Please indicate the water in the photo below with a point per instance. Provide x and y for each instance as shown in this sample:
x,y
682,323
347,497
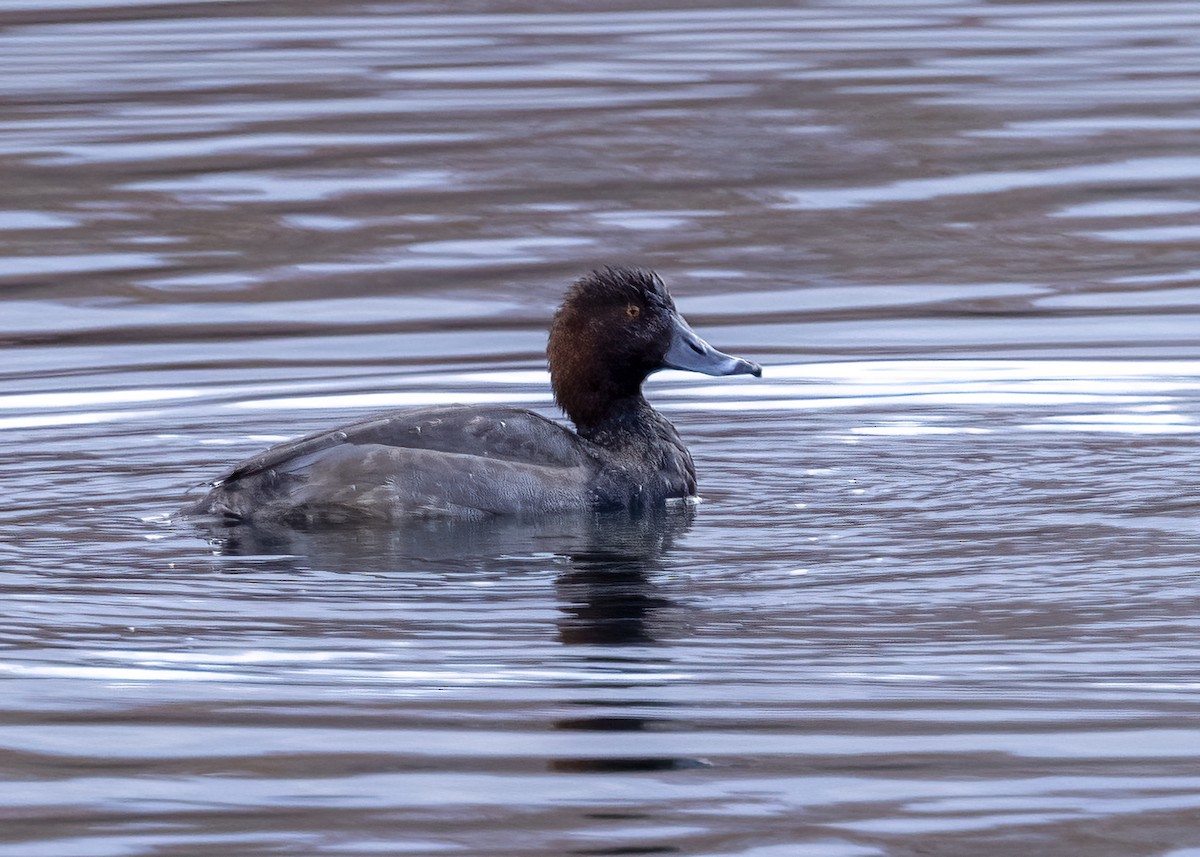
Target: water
x,y
940,597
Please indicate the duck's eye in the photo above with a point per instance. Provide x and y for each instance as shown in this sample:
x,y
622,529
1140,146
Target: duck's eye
x,y
633,310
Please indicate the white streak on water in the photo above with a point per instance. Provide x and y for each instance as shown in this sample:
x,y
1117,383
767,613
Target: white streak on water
x,y
385,400
85,398
970,184
45,420
1131,396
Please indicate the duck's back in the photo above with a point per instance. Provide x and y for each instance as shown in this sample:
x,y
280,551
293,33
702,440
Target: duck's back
x,y
460,460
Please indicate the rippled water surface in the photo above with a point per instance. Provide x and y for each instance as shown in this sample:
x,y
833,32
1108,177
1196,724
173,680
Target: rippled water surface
x,y
940,597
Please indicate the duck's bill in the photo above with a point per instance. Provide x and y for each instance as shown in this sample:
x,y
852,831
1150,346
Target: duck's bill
x,y
692,354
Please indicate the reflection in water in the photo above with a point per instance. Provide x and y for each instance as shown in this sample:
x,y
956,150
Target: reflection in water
x,y
607,596
609,551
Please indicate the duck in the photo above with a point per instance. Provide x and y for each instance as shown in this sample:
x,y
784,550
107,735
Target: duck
x,y
615,327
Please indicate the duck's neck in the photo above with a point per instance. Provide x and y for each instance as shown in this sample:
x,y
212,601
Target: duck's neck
x,y
619,420
644,458
648,453
597,398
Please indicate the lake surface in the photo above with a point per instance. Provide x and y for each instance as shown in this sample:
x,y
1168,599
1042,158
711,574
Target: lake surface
x,y
941,596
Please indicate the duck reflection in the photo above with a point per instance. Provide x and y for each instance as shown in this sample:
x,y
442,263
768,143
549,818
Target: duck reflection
x,y
607,594
604,550
609,599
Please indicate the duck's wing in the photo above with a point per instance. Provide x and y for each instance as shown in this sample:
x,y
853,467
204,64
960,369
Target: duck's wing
x,y
500,433
454,461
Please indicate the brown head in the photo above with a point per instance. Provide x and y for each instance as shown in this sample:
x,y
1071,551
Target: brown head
x,y
615,327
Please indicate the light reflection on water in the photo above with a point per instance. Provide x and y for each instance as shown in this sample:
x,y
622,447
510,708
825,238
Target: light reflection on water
x,y
939,595
1142,394
1133,169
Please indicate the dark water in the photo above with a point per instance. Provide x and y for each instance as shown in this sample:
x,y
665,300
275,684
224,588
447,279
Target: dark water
x,y
941,596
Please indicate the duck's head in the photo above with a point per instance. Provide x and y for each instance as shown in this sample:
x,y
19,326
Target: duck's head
x,y
616,326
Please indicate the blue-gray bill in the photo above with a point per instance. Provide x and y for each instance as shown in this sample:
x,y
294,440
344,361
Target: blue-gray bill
x,y
689,352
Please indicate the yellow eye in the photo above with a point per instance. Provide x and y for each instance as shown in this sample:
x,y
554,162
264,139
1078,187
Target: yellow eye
x,y
633,310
